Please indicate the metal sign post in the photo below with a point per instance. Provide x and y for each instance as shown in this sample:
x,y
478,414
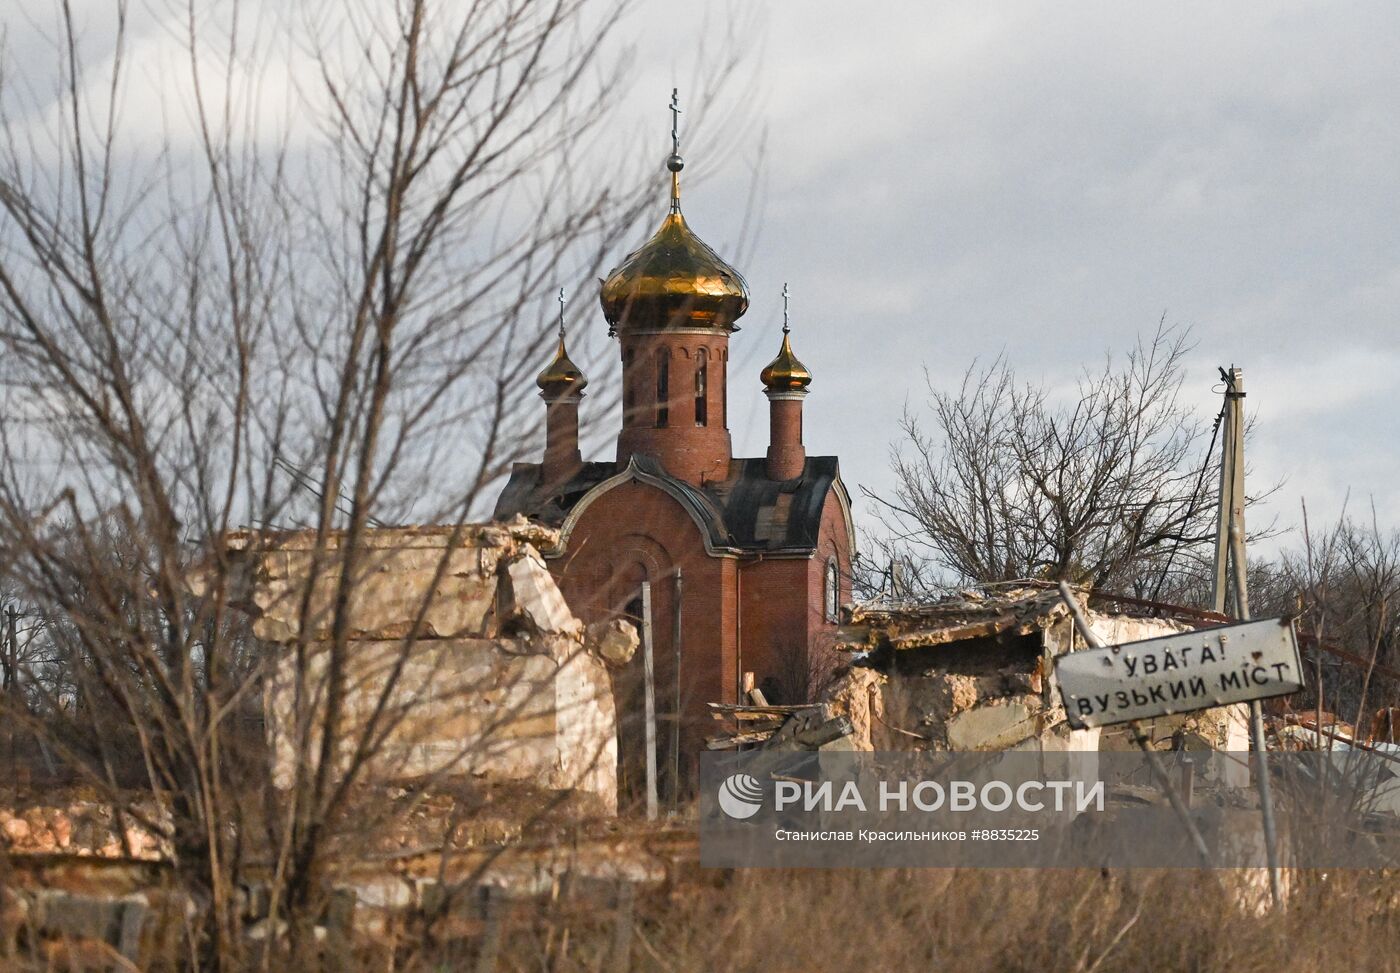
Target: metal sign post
x,y
649,674
676,634
1139,736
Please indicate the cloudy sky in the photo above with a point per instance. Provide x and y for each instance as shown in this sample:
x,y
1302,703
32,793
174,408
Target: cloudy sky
x,y
950,181
947,182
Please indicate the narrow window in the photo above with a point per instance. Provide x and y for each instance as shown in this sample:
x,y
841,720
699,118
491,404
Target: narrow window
x,y
833,591
724,388
629,380
702,368
663,387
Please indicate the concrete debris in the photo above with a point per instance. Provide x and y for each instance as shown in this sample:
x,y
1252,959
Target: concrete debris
x,y
411,581
781,728
991,727
537,598
615,641
85,829
958,618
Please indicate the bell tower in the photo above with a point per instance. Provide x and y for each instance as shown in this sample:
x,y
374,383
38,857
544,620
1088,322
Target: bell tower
x,y
673,304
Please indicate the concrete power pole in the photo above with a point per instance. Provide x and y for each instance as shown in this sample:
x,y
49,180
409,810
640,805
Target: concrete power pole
x,y
1231,583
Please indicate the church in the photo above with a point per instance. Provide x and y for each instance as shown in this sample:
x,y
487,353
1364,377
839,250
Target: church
x,y
748,558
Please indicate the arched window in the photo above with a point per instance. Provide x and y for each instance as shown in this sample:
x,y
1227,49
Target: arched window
x,y
833,591
702,375
663,387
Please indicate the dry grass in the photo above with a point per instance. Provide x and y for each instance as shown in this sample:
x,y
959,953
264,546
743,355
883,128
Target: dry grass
x,y
713,921
1049,922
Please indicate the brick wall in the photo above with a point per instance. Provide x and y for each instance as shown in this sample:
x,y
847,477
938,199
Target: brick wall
x,y
637,532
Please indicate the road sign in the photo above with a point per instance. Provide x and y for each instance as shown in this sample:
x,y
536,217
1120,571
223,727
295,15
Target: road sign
x,y
1180,673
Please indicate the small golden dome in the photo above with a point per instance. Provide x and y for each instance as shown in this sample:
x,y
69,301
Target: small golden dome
x,y
785,373
561,376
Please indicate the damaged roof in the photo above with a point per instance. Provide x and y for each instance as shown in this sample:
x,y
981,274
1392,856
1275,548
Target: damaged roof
x,y
965,615
978,613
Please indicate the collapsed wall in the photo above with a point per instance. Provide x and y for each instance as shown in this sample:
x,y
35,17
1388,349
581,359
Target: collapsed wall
x,y
975,671
463,658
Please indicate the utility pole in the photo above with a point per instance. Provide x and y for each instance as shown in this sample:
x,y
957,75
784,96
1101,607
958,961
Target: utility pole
x,y
1231,580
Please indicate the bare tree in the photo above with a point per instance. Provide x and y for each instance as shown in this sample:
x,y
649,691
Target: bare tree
x,y
329,326
1343,584
1112,488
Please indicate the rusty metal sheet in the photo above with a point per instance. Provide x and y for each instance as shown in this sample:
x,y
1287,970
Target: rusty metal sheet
x,y
1180,673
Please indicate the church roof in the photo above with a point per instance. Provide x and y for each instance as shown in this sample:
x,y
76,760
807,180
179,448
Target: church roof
x,y
746,513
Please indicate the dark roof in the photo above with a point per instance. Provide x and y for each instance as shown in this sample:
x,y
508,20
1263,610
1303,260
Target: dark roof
x,y
746,512
769,514
523,494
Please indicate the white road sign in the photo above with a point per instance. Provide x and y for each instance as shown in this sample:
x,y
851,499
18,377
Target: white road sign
x,y
1180,673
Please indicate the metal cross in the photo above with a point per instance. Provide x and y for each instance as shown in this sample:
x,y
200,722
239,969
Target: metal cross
x,y
785,308
675,121
561,312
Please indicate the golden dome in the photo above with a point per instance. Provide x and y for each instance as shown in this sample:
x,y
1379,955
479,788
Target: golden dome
x,y
674,280
785,373
561,376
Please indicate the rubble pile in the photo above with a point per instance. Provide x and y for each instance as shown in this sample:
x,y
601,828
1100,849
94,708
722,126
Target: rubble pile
x,y
85,829
802,727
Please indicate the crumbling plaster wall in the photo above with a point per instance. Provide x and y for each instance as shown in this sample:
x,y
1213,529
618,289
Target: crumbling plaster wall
x,y
981,694
465,644
995,692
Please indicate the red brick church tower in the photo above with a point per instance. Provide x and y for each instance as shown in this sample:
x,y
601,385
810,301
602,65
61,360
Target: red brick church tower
x,y
748,559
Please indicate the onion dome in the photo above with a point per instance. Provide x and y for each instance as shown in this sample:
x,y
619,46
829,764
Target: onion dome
x,y
674,280
785,373
561,376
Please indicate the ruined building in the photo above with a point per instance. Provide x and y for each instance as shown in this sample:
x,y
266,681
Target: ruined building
x,y
748,558
462,648
975,670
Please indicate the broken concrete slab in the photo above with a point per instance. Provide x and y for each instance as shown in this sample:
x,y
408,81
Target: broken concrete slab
x,y
615,641
537,598
991,727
